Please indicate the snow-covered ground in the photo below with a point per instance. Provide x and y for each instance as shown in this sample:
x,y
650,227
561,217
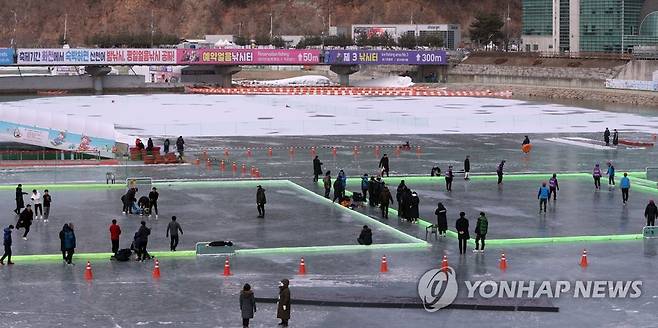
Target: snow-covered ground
x,y
236,115
307,80
389,81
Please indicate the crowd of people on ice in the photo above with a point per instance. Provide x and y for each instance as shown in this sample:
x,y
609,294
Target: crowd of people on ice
x,y
26,217
376,193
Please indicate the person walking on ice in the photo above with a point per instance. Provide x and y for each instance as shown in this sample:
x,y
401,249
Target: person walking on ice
x,y
481,229
365,186
606,137
247,305
650,213
283,305
172,229
385,198
625,185
6,241
153,201
449,176
542,195
467,168
180,147
317,168
441,219
115,233
20,204
553,187
615,137
47,199
67,239
260,201
462,232
36,201
384,165
499,171
611,176
25,220
596,174
327,184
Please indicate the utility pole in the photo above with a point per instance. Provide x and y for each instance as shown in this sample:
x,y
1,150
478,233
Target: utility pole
x,y
13,36
507,28
66,17
152,28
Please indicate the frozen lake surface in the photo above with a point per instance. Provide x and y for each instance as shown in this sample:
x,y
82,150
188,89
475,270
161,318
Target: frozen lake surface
x,y
236,115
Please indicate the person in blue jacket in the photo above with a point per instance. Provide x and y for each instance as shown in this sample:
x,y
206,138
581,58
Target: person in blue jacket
x,y
67,240
6,241
542,195
364,186
343,179
611,175
625,185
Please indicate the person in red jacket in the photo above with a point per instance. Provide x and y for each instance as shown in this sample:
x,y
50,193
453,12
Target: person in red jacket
x,y
115,232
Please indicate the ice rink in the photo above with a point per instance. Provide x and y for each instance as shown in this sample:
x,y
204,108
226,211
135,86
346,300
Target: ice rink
x,y
211,204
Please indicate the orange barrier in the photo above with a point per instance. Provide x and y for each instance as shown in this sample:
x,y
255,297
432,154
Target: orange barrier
x,y
635,143
52,92
347,91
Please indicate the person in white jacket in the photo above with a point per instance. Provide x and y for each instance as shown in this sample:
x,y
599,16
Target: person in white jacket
x,y
36,200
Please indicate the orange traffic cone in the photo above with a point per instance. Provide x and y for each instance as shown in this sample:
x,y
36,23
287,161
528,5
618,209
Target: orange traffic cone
x,y
503,262
156,270
333,151
269,152
88,274
227,268
384,266
583,259
444,263
244,169
302,266
222,166
248,152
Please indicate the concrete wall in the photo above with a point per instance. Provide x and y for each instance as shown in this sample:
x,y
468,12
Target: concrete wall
x,y
597,73
26,84
527,81
638,70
